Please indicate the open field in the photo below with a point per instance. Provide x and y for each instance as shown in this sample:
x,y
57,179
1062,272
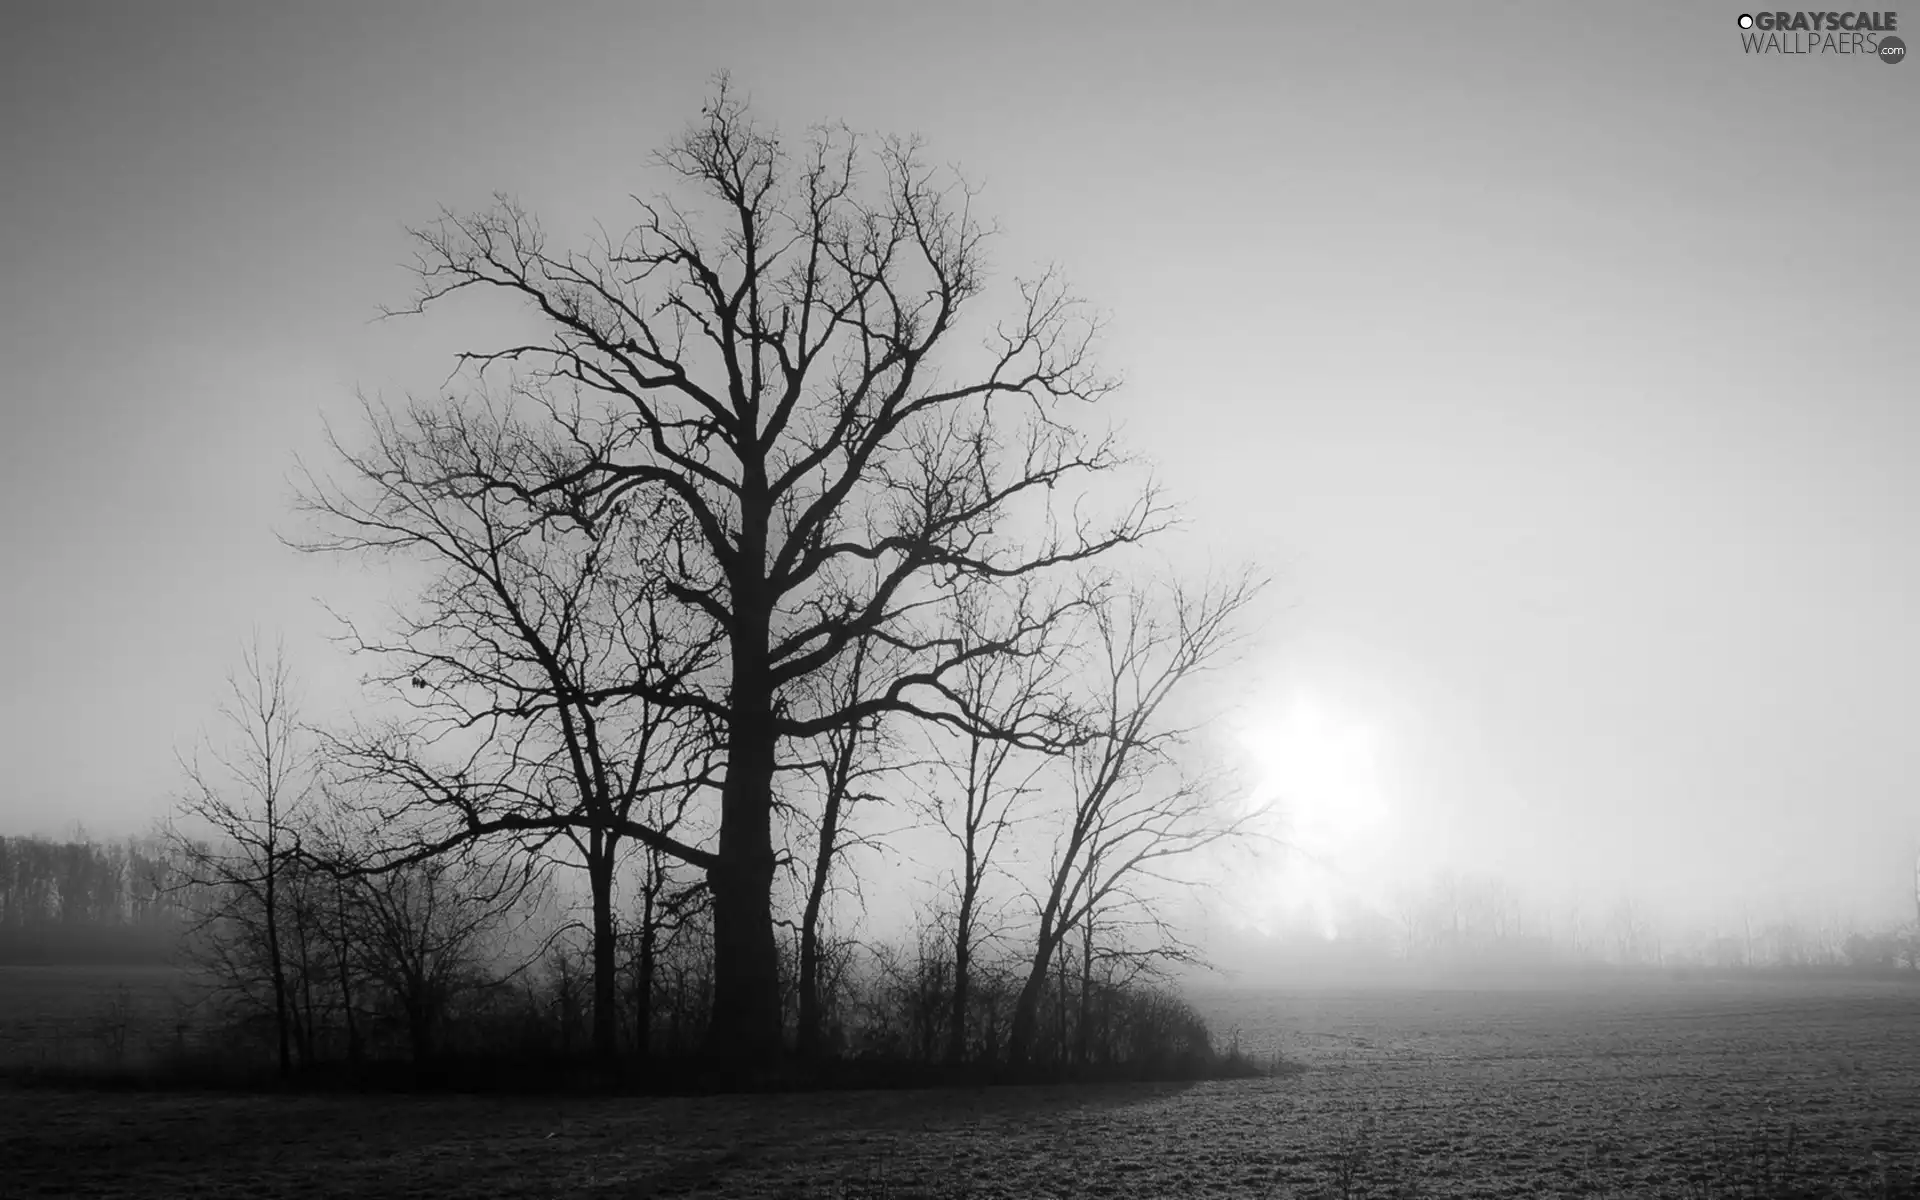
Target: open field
x,y
91,1015
1703,1089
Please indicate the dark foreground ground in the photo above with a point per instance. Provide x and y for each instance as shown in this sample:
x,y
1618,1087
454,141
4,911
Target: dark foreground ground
x,y
1803,1089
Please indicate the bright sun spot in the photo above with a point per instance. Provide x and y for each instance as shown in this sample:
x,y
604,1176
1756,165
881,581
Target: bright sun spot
x,y
1318,771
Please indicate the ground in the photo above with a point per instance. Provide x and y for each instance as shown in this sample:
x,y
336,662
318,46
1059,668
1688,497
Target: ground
x,y
1683,1089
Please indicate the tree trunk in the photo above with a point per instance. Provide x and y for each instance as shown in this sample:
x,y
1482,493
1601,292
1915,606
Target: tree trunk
x,y
273,960
745,1028
962,953
1060,1010
807,1035
1026,1011
643,988
346,995
808,1040
420,1030
606,1012
1085,1030
309,1021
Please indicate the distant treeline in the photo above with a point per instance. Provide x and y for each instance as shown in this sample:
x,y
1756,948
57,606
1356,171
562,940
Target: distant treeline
x,y
81,902
1480,923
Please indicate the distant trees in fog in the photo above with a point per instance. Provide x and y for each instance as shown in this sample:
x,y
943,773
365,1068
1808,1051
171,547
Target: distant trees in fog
x,y
1469,920
83,900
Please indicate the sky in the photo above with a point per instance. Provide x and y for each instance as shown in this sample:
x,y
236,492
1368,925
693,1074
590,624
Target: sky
x,y
1552,359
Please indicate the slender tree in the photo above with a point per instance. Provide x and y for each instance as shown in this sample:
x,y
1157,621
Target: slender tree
x,y
1131,807
849,760
666,905
244,808
981,780
422,933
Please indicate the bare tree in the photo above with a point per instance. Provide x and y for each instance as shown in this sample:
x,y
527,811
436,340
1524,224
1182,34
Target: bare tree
x,y
249,799
1131,806
1634,933
508,659
1408,911
422,932
779,379
848,763
984,778
666,905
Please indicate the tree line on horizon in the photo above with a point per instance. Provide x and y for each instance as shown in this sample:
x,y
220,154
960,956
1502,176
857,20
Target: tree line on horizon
x,y
81,900
1478,920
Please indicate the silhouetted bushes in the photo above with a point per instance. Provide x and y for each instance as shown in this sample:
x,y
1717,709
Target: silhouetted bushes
x,y
529,1030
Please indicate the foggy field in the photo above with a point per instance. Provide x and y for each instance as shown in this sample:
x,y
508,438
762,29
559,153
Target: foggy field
x,y
1604,1089
89,1015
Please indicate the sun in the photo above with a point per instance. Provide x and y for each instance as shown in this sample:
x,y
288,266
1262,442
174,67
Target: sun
x,y
1317,770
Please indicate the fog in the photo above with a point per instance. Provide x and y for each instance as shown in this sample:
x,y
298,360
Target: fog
x,y
1568,404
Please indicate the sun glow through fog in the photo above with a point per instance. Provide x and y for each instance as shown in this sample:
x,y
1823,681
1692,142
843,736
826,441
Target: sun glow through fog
x,y
1318,771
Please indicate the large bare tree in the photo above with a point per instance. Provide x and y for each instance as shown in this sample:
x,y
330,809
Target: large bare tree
x,y
786,375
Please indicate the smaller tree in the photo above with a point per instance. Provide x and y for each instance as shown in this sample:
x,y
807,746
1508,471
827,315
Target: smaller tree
x,y
248,800
423,933
849,759
983,774
1131,807
666,901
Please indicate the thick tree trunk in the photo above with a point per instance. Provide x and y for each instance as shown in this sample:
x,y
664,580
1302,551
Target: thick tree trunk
x,y
420,1030
746,965
606,1012
746,1025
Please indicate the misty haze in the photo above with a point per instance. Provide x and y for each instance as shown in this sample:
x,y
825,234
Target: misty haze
x,y
909,601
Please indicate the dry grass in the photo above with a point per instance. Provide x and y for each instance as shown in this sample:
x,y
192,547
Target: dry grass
x,y
1706,1092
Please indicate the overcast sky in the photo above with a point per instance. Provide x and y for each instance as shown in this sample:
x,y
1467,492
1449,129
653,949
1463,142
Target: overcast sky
x,y
1555,359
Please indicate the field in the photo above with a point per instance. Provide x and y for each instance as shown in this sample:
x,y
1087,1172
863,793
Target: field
x,y
90,1015
1651,1089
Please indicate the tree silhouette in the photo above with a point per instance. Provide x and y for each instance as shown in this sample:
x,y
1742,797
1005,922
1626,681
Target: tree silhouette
x,y
786,381
1131,808
507,659
252,799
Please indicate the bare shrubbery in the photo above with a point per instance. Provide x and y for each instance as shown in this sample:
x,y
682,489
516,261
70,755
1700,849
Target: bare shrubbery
x,y
438,972
893,1006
